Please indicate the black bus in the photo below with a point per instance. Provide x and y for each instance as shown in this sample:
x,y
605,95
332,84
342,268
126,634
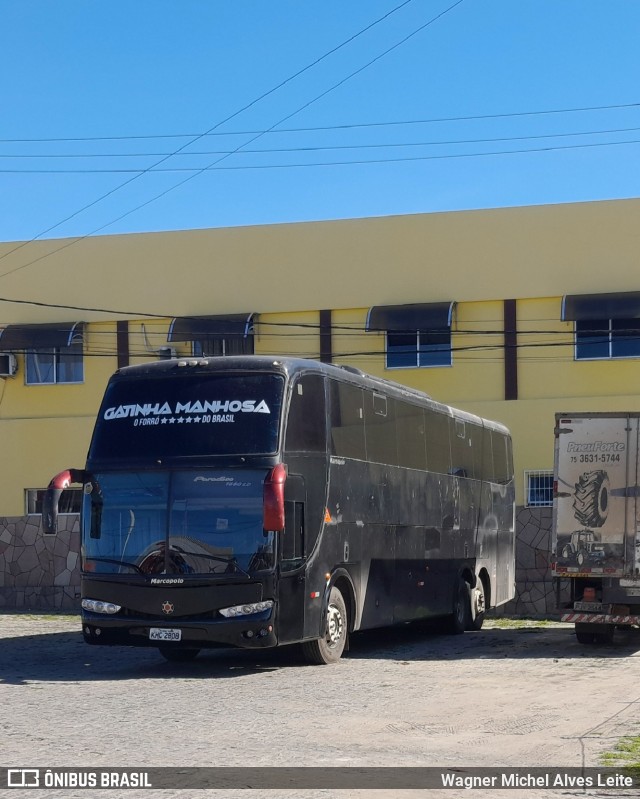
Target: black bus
x,y
257,501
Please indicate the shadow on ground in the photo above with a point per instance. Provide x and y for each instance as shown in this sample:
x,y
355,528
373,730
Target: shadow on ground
x,y
64,657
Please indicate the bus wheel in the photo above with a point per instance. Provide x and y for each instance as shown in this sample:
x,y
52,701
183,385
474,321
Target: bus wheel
x,y
459,620
478,606
178,655
329,649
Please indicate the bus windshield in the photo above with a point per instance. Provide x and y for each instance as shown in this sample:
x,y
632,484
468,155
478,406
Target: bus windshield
x,y
206,522
181,415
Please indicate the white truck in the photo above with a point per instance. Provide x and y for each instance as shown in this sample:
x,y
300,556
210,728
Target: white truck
x,y
596,522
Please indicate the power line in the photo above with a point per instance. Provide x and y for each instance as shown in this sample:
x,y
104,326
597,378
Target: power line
x,y
195,171
323,148
319,128
215,163
209,131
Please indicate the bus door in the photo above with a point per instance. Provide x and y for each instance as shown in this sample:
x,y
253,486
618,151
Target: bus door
x,y
291,565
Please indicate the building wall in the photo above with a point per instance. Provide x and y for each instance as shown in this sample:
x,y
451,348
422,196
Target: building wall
x,y
286,274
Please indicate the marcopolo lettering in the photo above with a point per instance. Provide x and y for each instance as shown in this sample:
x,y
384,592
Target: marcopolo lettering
x,y
191,407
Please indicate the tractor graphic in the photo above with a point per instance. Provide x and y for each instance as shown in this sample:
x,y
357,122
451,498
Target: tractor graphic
x,y
590,508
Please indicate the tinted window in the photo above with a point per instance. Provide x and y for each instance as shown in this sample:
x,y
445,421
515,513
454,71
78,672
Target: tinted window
x,y
410,429
306,424
347,421
182,415
501,447
437,432
380,424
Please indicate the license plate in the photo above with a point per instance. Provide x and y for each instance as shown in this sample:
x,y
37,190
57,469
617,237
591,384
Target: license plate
x,y
594,607
164,634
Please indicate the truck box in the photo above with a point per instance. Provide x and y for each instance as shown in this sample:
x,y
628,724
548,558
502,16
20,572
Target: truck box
x,y
596,520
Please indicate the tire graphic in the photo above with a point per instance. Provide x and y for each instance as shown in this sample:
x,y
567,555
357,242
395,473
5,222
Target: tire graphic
x,y
591,499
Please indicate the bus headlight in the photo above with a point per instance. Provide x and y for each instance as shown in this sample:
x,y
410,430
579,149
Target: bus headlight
x,y
247,610
97,606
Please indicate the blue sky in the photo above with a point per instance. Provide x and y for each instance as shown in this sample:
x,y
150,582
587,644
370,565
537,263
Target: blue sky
x,y
454,104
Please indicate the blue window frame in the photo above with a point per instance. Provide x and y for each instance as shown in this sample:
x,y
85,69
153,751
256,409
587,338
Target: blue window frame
x,y
607,338
407,350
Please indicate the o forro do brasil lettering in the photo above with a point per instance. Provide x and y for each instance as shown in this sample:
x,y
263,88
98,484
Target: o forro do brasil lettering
x,y
159,409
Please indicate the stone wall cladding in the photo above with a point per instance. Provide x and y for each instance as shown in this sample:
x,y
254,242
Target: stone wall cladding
x,y
535,589
39,571
42,571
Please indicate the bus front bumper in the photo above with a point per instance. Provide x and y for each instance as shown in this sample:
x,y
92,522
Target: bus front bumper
x,y
251,632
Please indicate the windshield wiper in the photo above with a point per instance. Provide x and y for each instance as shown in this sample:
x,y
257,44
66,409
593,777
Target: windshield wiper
x,y
118,562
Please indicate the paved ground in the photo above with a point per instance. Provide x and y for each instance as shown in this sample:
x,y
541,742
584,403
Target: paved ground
x,y
499,697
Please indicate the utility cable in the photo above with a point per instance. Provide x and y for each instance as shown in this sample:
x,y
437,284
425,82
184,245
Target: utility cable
x,y
316,148
214,164
319,128
209,131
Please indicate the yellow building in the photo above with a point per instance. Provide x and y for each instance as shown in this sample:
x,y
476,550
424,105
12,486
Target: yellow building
x,y
512,314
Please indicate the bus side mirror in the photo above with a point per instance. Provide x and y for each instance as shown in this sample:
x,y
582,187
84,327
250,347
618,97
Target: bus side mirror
x,y
52,497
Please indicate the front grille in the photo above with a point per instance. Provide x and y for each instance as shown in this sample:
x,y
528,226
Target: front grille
x,y
208,615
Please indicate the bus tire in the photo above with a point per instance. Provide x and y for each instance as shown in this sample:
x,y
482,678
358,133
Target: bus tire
x,y
178,655
477,606
460,619
330,647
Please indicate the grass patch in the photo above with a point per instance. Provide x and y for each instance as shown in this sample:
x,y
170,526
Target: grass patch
x,y
41,615
625,753
505,623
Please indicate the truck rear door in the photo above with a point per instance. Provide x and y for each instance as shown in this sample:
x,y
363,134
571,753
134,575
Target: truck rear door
x,y
596,494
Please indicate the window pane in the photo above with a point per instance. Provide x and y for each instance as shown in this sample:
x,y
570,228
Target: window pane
x,y
380,426
40,366
625,338
306,422
402,349
501,457
435,348
539,489
70,364
212,346
347,421
592,339
410,428
438,450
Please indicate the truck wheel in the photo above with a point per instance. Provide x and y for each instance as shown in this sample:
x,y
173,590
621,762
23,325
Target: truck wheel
x,y
477,606
178,655
329,649
585,634
605,634
591,499
581,557
460,619
566,551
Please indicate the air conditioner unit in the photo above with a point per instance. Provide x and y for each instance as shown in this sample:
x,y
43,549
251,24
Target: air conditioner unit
x,y
8,364
166,353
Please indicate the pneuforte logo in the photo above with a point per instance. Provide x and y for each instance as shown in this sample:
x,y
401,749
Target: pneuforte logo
x,y
158,409
596,446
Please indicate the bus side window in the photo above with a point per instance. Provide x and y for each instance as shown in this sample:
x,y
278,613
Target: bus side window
x,y
292,540
412,439
438,447
487,456
380,426
347,421
306,423
501,457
